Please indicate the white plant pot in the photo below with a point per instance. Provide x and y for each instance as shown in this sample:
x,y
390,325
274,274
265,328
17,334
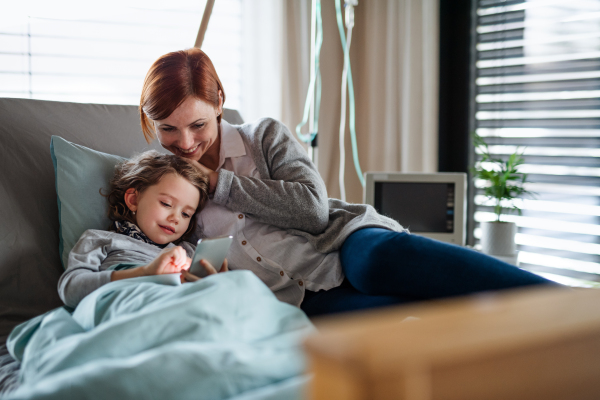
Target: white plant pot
x,y
498,238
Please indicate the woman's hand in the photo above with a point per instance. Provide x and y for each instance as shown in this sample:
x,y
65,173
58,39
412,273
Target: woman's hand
x,y
188,277
213,176
169,261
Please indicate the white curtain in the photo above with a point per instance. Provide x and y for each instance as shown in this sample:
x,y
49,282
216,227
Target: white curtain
x,y
394,57
276,53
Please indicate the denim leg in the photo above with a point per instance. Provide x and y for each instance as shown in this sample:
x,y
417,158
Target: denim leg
x,y
345,298
382,262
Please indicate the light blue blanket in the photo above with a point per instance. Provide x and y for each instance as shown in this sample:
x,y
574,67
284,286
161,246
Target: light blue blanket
x,y
225,336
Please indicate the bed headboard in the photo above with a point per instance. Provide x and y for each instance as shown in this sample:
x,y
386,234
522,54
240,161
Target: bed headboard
x,y
29,259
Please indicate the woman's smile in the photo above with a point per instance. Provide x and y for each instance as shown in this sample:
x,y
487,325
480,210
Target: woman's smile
x,y
190,151
191,131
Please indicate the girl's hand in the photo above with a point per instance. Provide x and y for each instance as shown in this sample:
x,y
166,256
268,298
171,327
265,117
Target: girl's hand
x,y
188,277
169,261
213,176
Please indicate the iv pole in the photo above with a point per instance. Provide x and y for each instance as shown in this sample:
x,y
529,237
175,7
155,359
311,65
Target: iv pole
x,y
204,23
312,104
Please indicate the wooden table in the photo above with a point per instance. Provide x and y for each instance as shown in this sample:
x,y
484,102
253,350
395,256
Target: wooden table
x,y
524,344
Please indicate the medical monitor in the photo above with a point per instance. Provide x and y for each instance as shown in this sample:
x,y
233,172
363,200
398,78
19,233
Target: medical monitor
x,y
431,205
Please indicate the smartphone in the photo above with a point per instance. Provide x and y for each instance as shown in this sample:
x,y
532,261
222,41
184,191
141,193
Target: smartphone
x,y
212,250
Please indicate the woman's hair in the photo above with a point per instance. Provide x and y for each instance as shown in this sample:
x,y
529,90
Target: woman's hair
x,y
145,170
171,79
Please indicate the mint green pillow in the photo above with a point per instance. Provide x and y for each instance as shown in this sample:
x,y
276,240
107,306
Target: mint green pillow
x,y
79,174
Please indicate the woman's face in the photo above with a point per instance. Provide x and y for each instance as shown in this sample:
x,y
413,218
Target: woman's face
x,y
191,131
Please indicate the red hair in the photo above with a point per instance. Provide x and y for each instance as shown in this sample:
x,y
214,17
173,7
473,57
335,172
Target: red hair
x,y
173,78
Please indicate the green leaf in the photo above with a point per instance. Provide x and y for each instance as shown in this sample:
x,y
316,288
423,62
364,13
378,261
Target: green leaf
x,y
504,179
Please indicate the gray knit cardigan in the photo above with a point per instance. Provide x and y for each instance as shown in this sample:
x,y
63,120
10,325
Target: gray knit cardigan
x,y
291,194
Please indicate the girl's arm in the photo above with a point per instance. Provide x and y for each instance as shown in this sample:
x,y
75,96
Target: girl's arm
x,y
83,274
127,273
290,193
169,261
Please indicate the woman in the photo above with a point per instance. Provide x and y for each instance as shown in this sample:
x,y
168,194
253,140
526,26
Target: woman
x,y
321,254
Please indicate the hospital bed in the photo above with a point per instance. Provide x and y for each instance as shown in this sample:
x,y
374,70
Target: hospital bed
x,y
526,344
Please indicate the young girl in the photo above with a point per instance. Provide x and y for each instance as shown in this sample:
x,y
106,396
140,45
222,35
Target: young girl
x,y
153,200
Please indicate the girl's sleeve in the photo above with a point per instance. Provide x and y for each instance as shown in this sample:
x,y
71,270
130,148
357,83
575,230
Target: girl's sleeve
x,y
293,196
83,274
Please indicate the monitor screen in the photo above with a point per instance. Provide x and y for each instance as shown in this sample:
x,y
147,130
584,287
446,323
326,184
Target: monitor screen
x,y
420,207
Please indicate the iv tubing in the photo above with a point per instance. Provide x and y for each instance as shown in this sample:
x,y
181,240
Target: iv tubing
x,y
315,80
350,91
342,136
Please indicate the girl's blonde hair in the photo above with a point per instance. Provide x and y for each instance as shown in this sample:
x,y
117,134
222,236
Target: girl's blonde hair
x,y
145,170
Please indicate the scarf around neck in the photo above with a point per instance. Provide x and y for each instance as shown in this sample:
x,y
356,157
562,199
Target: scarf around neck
x,y
128,229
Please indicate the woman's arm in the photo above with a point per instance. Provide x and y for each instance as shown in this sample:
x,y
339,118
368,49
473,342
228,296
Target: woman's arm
x,y
290,194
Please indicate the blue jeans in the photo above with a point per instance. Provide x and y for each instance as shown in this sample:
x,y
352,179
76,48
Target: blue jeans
x,y
383,267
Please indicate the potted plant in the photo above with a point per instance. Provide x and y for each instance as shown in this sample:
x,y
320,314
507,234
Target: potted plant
x,y
504,184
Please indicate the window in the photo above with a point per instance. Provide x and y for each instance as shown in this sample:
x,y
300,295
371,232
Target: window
x,y
99,52
537,86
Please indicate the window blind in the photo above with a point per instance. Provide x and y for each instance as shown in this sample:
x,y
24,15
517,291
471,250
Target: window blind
x,y
99,52
537,88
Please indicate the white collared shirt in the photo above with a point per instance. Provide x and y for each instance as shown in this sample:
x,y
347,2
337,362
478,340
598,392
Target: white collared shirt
x,y
286,263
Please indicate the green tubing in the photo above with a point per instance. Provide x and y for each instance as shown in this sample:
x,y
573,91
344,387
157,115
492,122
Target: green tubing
x,y
352,105
315,80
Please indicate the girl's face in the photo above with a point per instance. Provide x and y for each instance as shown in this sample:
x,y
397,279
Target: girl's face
x,y
191,131
163,211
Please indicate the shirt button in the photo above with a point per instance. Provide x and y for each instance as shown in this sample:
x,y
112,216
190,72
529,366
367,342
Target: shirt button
x,y
258,259
300,283
281,273
241,216
243,242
